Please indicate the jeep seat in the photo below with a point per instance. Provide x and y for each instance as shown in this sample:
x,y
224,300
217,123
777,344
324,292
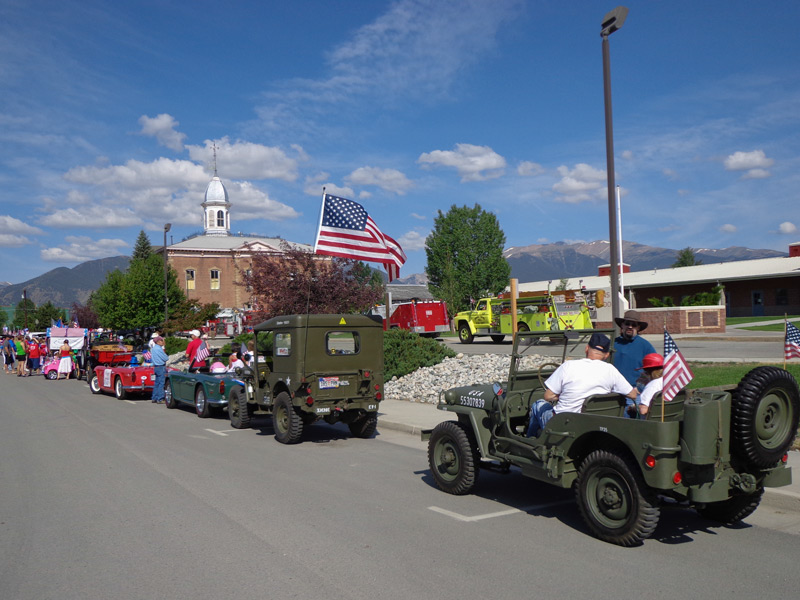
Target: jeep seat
x,y
611,405
673,410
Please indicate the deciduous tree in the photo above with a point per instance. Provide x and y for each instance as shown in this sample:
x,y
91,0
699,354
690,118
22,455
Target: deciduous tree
x,y
297,282
465,256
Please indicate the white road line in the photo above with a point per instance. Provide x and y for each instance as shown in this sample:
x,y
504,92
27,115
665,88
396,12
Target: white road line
x,y
131,402
501,513
222,433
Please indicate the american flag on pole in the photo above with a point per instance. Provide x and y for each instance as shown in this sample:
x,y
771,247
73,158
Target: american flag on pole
x,y
147,356
791,348
202,352
347,231
677,373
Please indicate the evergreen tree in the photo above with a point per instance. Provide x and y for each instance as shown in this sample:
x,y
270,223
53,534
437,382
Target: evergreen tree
x,y
47,314
142,250
686,258
24,314
465,256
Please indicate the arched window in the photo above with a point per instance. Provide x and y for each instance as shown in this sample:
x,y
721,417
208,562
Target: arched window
x,y
220,218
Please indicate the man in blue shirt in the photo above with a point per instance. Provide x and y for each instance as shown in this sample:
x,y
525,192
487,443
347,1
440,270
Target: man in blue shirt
x,y
159,359
630,348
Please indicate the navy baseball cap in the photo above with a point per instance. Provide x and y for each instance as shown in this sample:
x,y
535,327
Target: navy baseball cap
x,y
600,342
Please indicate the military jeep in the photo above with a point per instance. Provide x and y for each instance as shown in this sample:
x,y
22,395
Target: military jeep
x,y
314,367
715,449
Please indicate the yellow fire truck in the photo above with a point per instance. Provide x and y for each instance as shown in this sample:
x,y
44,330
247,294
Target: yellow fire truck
x,y
541,311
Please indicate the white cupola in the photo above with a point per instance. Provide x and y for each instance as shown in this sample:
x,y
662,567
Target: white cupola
x,y
216,209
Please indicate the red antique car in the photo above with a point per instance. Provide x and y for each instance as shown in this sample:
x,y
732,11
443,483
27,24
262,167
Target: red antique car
x,y
122,381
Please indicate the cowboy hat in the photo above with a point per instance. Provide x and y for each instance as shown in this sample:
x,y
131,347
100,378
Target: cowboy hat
x,y
632,315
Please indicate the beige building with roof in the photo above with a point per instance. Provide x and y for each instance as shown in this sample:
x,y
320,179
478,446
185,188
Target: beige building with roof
x,y
767,286
210,266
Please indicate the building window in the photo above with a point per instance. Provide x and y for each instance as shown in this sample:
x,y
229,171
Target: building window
x,y
220,219
189,279
781,297
248,273
214,279
211,218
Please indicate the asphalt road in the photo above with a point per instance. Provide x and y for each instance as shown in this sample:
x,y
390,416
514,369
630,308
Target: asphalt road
x,y
101,499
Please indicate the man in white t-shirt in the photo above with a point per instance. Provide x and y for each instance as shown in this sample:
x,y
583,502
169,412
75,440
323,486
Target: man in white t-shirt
x,y
575,380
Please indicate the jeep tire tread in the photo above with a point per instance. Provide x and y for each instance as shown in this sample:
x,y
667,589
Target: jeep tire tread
x,y
365,426
238,409
453,458
732,510
764,415
287,424
614,500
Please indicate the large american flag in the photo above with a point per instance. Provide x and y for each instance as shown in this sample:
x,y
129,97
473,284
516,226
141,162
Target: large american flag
x,y
347,231
791,348
677,373
202,352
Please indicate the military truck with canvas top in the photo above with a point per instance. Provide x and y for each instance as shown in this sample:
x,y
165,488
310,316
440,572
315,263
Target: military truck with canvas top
x,y
311,367
715,449
541,311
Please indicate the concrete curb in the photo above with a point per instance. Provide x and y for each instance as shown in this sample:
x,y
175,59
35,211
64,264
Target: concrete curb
x,y
781,499
403,427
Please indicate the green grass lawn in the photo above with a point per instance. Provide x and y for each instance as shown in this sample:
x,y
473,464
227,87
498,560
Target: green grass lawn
x,y
773,327
711,374
740,320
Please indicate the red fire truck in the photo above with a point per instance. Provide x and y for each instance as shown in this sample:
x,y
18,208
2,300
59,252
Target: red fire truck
x,y
425,317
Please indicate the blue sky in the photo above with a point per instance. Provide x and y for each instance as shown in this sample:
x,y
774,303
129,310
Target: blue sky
x,y
109,110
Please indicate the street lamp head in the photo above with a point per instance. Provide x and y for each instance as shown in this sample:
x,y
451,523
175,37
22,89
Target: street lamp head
x,y
167,227
613,21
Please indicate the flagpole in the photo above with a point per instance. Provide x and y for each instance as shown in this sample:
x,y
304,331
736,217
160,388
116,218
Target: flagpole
x,y
319,224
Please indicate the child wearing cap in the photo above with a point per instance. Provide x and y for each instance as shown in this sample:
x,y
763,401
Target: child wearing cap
x,y
653,366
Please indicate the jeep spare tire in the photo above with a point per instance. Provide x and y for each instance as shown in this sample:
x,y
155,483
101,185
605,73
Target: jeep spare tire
x,y
764,415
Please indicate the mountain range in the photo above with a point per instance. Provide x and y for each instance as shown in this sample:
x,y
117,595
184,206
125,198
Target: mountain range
x,y
537,262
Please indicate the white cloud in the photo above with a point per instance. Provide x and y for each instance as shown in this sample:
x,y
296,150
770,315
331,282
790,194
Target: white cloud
x,y
163,128
246,160
91,216
670,174
530,169
9,224
418,217
627,155
249,202
787,228
728,228
581,184
473,163
413,240
390,180
754,163
82,248
8,240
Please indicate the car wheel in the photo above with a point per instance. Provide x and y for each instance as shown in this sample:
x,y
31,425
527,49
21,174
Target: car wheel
x,y
238,409
201,406
453,458
169,399
364,427
764,415
614,500
464,334
94,384
732,510
52,375
286,422
119,391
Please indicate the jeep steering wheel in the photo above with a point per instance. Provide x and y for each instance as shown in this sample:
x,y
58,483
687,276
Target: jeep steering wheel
x,y
539,372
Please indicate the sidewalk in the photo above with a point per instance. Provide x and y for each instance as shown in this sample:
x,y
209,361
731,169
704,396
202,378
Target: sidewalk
x,y
413,417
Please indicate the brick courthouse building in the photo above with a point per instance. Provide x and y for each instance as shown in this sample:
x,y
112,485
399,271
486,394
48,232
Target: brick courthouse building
x,y
209,266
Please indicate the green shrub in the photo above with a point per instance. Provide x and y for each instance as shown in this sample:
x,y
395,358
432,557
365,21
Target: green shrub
x,y
173,345
405,352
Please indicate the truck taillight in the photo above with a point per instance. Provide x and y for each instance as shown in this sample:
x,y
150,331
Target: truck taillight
x,y
309,400
677,478
378,396
785,458
366,374
650,461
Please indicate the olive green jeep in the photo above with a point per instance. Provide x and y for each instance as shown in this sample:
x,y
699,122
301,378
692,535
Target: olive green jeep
x,y
310,367
715,449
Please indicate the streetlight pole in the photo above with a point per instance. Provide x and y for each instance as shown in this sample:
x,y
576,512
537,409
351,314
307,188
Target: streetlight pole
x,y
167,227
25,306
611,22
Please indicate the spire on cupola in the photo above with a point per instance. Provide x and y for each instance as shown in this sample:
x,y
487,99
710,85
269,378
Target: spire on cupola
x,y
216,207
